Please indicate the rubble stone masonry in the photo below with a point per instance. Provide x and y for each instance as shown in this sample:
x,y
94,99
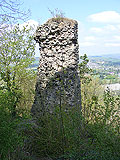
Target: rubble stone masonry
x,y
58,82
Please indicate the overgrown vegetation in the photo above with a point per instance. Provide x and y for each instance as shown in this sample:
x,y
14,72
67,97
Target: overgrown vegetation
x,y
92,134
59,16
16,86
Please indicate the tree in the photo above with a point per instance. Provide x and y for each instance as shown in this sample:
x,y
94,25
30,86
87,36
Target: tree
x,y
83,67
16,54
11,9
83,71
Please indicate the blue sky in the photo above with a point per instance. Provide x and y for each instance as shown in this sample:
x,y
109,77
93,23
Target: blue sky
x,y
98,21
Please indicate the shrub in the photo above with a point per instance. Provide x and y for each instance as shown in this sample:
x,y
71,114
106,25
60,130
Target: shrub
x,y
67,135
9,138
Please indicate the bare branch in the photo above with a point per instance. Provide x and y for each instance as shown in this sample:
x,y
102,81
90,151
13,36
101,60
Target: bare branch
x,y
57,13
12,9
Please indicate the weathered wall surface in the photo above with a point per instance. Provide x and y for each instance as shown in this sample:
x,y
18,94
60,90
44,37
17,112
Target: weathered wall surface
x,y
58,82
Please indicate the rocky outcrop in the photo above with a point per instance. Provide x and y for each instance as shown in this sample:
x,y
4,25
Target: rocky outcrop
x,y
58,83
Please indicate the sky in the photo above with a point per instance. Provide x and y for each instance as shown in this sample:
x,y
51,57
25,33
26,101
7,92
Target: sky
x,y
98,22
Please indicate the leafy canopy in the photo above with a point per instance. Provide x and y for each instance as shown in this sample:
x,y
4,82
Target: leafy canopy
x,y
16,52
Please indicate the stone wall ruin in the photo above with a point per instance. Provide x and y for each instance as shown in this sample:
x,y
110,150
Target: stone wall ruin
x,y
58,82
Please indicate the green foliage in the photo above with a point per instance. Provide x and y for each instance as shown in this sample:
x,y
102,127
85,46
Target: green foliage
x,y
66,133
73,137
17,51
9,138
84,70
16,88
91,92
16,54
26,81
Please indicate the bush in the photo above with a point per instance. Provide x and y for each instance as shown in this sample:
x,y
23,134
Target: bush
x,y
68,135
9,138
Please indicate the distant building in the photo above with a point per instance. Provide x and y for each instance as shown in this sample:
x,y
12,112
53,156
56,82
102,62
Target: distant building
x,y
113,87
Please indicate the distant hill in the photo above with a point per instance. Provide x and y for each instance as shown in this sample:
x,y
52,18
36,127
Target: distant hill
x,y
107,60
113,56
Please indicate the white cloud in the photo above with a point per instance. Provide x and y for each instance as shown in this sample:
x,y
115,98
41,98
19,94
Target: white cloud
x,y
81,30
37,51
107,29
34,25
112,44
90,38
117,38
86,44
110,27
118,26
103,38
30,23
105,17
112,39
96,30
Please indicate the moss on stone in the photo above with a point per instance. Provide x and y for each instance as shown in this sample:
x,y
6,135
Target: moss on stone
x,y
62,19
